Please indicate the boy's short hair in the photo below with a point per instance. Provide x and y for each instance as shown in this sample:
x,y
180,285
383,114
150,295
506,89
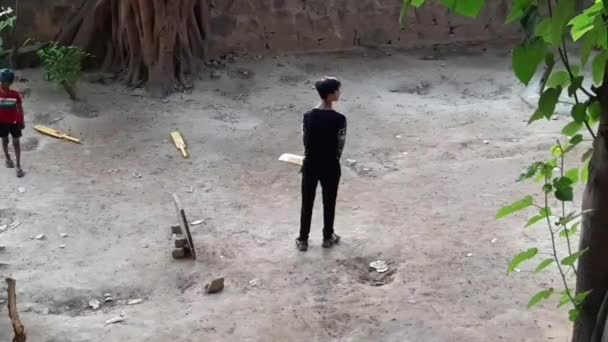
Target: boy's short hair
x,y
327,86
7,76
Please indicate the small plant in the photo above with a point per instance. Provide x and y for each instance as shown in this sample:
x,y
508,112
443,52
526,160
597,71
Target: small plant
x,y
7,22
63,66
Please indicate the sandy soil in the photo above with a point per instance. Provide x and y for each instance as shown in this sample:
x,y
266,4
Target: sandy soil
x,y
438,145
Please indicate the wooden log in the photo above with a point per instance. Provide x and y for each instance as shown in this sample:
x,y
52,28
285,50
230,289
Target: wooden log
x,y
13,313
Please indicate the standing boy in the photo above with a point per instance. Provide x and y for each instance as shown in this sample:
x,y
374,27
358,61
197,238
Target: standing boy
x,y
324,137
11,119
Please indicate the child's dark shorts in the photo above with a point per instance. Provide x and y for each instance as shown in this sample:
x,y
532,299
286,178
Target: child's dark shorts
x,y
12,129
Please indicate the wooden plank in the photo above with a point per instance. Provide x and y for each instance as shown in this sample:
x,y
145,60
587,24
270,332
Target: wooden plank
x,y
183,222
13,313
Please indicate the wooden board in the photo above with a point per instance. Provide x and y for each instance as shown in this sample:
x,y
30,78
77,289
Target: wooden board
x,y
292,159
13,313
183,222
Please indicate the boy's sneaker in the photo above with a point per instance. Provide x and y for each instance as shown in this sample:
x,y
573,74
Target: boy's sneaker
x,y
302,245
334,240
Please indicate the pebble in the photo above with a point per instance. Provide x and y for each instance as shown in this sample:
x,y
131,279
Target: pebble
x,y
215,286
487,142
469,255
94,304
135,301
494,240
255,282
61,246
22,190
40,237
15,225
197,222
351,162
115,320
3,228
63,235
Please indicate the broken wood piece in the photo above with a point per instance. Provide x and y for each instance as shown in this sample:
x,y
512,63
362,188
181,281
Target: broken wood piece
x,y
180,241
179,142
176,229
13,313
179,253
292,159
183,222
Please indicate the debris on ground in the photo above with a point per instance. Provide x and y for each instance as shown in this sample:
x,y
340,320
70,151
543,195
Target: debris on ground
x,y
113,170
215,286
135,301
63,235
380,266
94,304
3,227
486,142
61,246
494,240
15,224
21,190
179,253
255,282
351,162
180,241
469,255
197,222
137,175
40,237
115,320
190,190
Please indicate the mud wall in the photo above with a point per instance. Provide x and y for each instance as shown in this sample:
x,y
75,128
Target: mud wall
x,y
302,25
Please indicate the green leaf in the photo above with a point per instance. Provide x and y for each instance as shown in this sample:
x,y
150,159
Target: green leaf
x,y
544,264
572,128
521,258
557,151
598,67
518,10
572,174
594,111
563,189
531,171
542,214
571,259
548,101
560,78
540,297
418,3
527,58
579,112
547,188
601,33
587,155
588,43
405,9
468,8
576,84
574,314
561,16
584,22
543,30
581,297
575,140
564,299
515,207
585,173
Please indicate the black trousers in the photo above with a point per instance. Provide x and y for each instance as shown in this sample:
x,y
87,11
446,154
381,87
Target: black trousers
x,y
328,174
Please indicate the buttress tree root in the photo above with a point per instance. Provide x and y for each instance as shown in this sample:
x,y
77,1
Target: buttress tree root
x,y
157,43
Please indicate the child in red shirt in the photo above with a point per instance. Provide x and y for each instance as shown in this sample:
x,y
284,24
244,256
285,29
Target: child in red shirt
x,y
11,119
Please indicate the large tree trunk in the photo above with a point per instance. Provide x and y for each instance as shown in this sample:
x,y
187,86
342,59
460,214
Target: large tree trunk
x,y
159,43
593,266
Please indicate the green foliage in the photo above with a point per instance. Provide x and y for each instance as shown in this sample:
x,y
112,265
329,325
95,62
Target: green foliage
x,y
526,59
540,297
7,22
521,258
548,27
515,207
543,265
63,65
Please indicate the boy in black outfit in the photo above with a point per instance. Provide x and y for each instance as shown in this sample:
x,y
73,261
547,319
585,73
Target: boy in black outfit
x,y
324,136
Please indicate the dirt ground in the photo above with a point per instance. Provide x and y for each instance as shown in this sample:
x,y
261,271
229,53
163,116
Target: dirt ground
x,y
438,144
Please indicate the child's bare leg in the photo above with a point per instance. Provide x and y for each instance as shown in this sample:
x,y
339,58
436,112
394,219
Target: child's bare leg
x,y
9,161
17,146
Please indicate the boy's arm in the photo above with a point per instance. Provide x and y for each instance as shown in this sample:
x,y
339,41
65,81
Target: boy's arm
x,y
305,131
341,137
20,109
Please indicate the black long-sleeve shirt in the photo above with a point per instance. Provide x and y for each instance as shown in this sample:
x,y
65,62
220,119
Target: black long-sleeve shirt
x,y
324,135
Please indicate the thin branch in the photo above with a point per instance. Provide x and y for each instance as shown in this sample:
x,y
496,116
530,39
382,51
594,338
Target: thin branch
x,y
555,257
564,205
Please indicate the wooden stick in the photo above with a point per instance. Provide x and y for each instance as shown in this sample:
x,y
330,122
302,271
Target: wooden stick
x,y
18,327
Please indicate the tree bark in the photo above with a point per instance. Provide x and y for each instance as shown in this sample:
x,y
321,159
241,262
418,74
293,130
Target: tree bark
x,y
13,313
592,272
157,43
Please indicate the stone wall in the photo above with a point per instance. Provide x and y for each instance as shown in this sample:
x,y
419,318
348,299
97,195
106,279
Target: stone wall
x,y
302,25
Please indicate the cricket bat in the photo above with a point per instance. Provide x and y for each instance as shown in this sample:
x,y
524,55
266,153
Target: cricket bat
x,y
179,143
55,133
292,159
